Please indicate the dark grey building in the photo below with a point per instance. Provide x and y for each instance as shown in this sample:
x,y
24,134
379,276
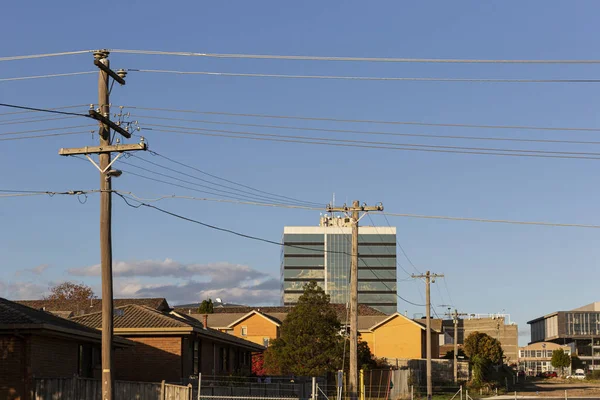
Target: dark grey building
x,y
323,254
579,328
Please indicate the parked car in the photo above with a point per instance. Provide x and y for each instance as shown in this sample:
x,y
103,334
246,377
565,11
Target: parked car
x,y
551,374
579,374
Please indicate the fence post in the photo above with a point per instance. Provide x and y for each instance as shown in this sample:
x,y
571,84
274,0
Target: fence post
x,y
566,396
190,391
467,394
461,392
412,392
200,384
515,395
313,395
162,390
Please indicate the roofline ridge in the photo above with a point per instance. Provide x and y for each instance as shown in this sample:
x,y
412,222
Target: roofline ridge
x,y
10,303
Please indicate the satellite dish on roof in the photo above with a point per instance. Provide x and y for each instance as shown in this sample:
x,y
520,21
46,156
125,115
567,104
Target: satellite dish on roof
x,y
218,300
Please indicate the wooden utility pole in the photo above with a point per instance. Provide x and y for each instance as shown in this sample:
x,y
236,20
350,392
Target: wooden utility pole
x,y
455,316
104,155
429,278
355,210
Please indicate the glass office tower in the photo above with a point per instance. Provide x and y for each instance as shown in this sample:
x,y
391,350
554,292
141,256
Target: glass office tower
x,y
323,255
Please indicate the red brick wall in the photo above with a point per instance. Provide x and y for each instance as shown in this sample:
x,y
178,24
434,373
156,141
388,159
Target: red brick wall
x,y
208,359
11,368
53,357
152,359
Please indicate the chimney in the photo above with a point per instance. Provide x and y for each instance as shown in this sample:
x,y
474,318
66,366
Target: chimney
x,y
205,321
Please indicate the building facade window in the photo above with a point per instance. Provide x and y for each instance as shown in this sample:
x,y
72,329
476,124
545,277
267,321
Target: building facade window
x,y
244,331
266,342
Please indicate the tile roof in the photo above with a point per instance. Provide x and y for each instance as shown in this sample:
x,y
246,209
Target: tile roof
x,y
133,317
142,317
218,335
79,307
365,322
436,324
218,320
281,310
12,314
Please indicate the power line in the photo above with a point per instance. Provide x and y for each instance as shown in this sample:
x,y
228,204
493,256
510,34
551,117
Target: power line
x,y
357,59
369,142
22,78
24,193
338,143
367,121
45,130
238,233
270,198
142,204
31,56
47,110
44,136
177,185
397,263
516,222
402,248
363,78
379,279
253,203
53,108
448,291
370,132
230,181
497,221
34,120
228,193
239,200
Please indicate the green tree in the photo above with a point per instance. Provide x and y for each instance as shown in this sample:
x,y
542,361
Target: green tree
x,y
483,352
485,346
310,342
70,291
366,360
206,307
561,360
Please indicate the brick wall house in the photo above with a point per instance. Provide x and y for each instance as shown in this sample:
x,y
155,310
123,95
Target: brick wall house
x,y
171,346
35,343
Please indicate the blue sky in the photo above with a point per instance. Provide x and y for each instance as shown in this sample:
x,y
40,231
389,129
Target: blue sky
x,y
522,270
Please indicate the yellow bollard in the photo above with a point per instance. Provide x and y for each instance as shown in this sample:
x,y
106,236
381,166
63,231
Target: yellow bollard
x,y
362,385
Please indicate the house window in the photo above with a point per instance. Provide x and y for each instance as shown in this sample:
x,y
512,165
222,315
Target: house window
x,y
266,342
244,331
224,356
196,356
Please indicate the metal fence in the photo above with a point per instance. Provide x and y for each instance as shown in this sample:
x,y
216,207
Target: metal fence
x,y
91,389
242,388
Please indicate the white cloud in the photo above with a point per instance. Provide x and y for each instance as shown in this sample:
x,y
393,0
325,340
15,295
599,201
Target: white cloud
x,y
22,290
191,292
169,268
39,270
234,283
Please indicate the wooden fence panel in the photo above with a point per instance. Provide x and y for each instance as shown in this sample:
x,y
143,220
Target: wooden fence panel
x,y
91,389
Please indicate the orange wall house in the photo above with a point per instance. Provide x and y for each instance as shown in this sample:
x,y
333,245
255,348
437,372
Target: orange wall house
x,y
399,337
255,327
